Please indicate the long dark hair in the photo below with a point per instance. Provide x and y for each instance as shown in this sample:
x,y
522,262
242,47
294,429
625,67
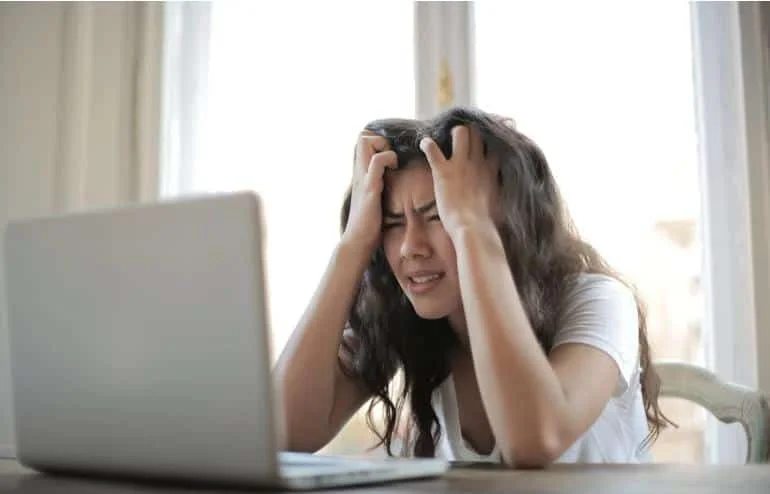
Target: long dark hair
x,y
544,252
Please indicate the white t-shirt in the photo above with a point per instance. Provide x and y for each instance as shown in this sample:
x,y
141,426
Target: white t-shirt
x,y
600,312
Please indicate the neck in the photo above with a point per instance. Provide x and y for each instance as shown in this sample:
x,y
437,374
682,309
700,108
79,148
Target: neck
x,y
460,327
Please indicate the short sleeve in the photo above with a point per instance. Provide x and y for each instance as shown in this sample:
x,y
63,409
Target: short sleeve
x,y
601,312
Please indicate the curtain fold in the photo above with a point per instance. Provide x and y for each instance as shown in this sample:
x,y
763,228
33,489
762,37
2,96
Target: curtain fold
x,y
185,89
81,88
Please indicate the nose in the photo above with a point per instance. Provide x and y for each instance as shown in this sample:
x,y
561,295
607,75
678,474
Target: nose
x,y
415,242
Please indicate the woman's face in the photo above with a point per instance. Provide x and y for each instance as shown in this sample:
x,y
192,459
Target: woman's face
x,y
418,249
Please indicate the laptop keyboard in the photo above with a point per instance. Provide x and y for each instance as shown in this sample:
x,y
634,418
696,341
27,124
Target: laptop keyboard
x,y
299,465
288,459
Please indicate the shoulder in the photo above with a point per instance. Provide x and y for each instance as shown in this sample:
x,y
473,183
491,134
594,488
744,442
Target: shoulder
x,y
598,300
598,296
601,311
590,286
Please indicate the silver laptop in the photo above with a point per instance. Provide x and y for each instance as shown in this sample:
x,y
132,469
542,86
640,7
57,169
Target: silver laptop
x,y
140,349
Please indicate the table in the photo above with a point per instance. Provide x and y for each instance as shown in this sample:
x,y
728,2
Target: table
x,y
609,479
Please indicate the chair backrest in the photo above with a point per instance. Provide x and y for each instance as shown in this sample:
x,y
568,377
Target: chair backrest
x,y
728,402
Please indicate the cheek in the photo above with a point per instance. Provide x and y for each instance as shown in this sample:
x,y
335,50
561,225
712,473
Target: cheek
x,y
391,246
443,247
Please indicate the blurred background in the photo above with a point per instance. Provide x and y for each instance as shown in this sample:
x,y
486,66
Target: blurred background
x,y
653,116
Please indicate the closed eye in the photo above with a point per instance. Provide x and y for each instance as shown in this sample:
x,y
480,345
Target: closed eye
x,y
390,226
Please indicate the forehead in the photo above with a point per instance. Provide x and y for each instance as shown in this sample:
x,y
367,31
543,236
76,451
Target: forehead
x,y
412,184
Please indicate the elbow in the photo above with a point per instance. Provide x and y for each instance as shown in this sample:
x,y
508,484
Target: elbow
x,y
294,432
298,434
294,446
536,451
297,439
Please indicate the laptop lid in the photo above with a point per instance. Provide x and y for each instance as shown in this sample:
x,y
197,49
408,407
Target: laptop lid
x,y
139,341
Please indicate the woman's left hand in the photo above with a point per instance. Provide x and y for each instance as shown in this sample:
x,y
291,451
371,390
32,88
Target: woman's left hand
x,y
465,185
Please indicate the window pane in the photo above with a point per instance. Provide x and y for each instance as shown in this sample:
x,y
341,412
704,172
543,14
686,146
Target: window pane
x,y
287,96
606,90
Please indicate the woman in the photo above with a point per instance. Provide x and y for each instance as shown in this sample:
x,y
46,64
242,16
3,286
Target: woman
x,y
459,265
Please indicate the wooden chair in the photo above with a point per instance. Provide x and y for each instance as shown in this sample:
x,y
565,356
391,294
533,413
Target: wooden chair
x,y
728,402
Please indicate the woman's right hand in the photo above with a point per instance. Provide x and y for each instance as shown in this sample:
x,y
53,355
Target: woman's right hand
x,y
372,156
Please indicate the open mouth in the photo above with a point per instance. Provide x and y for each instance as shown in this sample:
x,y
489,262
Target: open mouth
x,y
425,278
423,282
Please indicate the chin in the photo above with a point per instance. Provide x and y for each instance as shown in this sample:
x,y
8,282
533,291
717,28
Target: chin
x,y
430,311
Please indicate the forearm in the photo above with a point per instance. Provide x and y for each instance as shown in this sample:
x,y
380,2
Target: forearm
x,y
522,395
308,368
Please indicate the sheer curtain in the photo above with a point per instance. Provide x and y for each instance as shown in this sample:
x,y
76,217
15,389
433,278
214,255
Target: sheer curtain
x,y
185,79
266,97
81,111
279,101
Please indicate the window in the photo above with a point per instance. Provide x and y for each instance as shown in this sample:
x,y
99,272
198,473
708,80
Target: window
x,y
606,90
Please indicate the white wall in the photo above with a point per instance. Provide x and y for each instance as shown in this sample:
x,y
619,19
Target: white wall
x,y
79,119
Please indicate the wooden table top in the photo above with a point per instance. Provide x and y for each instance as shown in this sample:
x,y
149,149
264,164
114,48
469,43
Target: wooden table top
x,y
620,479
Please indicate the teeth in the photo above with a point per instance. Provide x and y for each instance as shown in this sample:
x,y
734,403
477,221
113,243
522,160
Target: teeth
x,y
425,279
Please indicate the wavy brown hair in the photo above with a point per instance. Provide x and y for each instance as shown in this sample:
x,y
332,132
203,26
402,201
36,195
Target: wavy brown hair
x,y
544,252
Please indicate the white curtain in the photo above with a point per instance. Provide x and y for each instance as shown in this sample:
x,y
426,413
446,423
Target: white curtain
x,y
263,100
80,92
185,93
444,52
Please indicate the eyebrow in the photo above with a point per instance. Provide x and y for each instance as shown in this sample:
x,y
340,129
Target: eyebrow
x,y
390,215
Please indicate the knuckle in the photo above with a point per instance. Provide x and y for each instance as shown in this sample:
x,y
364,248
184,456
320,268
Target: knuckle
x,y
384,158
378,159
375,159
369,146
460,131
376,142
375,167
364,141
